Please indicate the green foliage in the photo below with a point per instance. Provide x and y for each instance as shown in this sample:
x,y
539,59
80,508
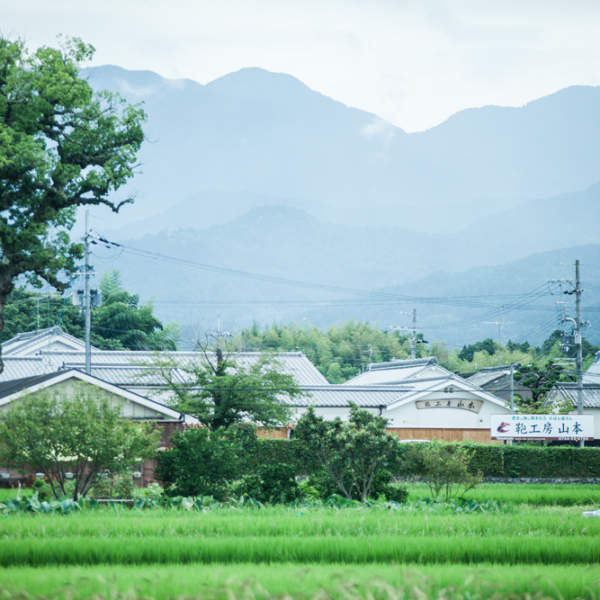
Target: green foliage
x,y
273,484
293,452
201,463
82,433
120,323
324,486
350,452
114,485
468,352
540,379
61,146
43,490
445,468
552,461
340,353
222,393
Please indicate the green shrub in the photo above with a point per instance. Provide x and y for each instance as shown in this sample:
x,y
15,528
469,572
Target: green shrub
x,y
43,489
114,486
552,461
272,484
445,468
201,463
382,485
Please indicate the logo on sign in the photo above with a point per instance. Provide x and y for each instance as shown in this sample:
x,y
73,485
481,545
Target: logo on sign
x,y
503,428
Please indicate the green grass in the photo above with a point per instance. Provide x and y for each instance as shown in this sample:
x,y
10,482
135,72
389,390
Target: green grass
x,y
227,582
535,494
344,550
428,521
537,546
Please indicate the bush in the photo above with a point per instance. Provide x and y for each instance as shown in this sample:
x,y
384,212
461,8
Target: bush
x,y
272,484
382,484
117,486
201,463
553,461
445,468
43,489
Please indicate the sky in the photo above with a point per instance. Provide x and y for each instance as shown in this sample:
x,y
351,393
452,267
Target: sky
x,y
412,62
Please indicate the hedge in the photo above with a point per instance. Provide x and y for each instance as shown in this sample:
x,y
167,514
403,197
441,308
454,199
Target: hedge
x,y
553,461
492,460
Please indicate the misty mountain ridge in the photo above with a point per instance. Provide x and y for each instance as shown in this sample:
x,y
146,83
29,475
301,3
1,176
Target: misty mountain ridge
x,y
269,134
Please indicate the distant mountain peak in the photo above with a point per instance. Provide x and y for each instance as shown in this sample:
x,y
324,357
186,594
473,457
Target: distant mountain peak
x,y
255,83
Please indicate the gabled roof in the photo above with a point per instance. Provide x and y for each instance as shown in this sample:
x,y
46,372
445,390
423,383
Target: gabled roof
x,y
34,342
125,367
592,375
424,387
11,390
568,392
396,371
334,395
490,375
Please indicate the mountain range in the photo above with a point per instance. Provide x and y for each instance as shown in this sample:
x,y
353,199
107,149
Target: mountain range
x,y
266,133
256,172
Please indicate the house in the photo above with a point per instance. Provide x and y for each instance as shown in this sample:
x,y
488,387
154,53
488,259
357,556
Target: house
x,y
50,350
563,392
133,406
496,380
420,398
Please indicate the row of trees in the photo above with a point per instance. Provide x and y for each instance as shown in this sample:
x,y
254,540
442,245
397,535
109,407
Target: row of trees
x,y
122,322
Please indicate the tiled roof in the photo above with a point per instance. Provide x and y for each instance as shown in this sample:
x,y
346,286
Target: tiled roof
x,y
20,344
342,395
592,375
489,375
118,362
7,388
568,392
389,373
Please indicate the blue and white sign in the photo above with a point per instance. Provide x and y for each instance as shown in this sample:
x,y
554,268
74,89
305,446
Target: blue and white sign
x,y
542,427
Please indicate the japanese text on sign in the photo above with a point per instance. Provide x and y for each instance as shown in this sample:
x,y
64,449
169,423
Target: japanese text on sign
x,y
542,427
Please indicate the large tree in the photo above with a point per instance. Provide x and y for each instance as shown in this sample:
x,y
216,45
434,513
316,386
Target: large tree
x,y
80,433
61,146
351,452
220,389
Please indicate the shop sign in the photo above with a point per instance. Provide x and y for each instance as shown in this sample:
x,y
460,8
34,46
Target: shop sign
x,y
542,427
471,405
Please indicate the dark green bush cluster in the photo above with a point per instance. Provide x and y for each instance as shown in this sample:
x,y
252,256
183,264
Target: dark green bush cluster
x,y
272,483
323,486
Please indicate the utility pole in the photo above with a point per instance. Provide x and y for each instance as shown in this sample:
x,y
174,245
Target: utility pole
x,y
413,331
512,389
87,298
578,339
413,340
500,325
578,344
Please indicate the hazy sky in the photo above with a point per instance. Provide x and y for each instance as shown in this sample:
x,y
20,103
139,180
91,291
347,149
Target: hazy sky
x,y
412,62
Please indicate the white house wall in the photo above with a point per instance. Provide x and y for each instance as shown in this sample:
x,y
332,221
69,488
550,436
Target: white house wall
x,y
411,417
66,389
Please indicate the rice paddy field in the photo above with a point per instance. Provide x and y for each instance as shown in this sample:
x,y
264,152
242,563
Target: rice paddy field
x,y
534,543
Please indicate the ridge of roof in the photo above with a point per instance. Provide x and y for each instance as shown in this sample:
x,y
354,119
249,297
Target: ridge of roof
x,y
403,364
498,368
8,388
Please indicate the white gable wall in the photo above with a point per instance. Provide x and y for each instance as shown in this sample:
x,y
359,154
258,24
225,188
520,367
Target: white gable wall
x,y
70,387
408,415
